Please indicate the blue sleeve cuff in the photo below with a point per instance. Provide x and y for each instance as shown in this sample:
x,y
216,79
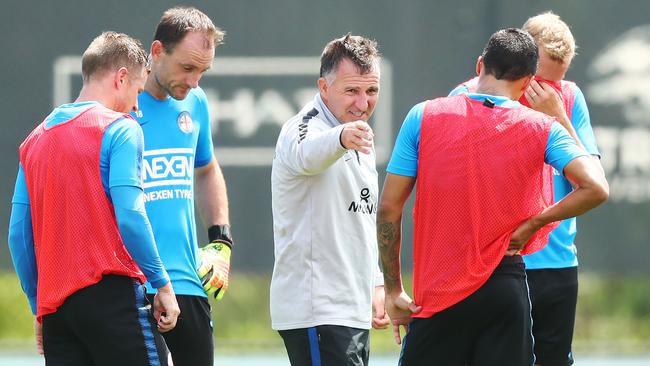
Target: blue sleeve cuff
x,y
402,172
159,280
32,303
202,163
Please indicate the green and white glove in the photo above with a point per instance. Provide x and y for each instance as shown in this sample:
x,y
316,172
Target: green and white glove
x,y
215,261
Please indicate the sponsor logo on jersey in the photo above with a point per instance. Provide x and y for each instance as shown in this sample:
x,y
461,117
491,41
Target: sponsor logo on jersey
x,y
185,122
365,205
167,173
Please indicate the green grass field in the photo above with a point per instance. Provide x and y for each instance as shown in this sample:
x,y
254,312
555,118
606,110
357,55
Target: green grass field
x,y
613,316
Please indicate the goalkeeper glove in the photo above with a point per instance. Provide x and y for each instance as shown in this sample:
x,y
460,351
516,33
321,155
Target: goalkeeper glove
x,y
215,261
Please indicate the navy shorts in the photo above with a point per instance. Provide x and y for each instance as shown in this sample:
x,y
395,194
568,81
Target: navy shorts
x,y
191,342
490,327
108,323
327,345
553,295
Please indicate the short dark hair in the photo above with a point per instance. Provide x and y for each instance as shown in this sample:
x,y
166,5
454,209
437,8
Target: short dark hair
x,y
176,22
510,54
109,51
360,50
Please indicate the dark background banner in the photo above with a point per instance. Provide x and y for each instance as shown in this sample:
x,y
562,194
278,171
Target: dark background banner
x,y
269,65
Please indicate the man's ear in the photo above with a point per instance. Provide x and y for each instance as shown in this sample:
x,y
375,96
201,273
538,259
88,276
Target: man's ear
x,y
323,87
479,65
121,76
157,49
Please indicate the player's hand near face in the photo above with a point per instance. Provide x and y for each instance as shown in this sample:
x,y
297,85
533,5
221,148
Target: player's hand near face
x,y
166,308
400,307
357,136
543,98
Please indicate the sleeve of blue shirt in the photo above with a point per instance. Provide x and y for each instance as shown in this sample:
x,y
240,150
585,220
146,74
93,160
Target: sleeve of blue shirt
x,y
204,147
125,148
404,160
582,123
121,155
460,89
21,240
561,148
135,228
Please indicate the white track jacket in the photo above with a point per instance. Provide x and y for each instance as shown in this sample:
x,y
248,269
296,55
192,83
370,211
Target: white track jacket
x,y
324,200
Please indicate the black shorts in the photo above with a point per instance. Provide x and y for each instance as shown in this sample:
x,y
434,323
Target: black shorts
x,y
489,327
553,295
108,323
327,345
191,342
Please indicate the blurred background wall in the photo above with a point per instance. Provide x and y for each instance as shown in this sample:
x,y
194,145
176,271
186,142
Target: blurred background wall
x,y
269,64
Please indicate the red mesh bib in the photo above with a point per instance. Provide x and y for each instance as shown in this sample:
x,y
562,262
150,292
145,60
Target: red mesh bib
x,y
76,238
481,173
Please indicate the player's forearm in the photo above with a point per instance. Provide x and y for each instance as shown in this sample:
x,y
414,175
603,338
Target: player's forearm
x,y
389,236
396,191
211,195
137,235
590,190
21,246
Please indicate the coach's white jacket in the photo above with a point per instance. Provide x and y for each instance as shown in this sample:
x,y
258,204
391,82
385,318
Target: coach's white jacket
x,y
324,201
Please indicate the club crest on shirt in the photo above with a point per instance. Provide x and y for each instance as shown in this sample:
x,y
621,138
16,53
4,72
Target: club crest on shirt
x,y
185,122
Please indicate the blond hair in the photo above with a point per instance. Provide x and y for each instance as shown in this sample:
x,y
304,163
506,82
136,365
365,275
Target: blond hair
x,y
553,35
111,50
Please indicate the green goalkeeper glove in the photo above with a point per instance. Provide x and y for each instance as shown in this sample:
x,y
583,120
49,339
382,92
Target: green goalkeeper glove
x,y
215,261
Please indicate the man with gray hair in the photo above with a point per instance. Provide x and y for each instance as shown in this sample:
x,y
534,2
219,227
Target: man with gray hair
x,y
326,281
79,235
